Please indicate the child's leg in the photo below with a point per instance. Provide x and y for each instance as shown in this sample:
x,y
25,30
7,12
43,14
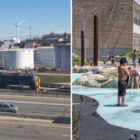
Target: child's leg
x,y
137,82
132,82
123,99
119,100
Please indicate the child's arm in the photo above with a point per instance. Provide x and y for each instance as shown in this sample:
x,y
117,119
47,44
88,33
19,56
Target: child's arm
x,y
127,72
137,72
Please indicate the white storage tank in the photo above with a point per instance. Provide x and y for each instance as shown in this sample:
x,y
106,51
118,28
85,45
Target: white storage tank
x,y
18,59
45,56
63,57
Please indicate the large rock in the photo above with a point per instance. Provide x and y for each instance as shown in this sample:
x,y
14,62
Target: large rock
x,y
76,69
97,69
88,73
108,63
100,63
92,83
111,83
83,80
96,77
80,81
85,69
110,70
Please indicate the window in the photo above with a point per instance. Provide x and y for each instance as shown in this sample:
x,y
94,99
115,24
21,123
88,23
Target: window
x,y
6,106
11,105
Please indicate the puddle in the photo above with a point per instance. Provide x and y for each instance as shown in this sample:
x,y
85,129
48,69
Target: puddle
x,y
136,111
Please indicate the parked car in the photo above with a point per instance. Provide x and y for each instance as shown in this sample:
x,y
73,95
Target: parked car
x,y
8,107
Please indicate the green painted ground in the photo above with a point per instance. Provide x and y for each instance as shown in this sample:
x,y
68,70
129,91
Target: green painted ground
x,y
51,79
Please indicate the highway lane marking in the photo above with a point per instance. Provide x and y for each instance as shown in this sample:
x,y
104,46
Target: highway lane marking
x,y
34,97
24,119
65,135
38,103
27,121
16,122
76,103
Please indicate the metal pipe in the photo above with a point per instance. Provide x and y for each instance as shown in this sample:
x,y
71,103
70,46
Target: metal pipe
x,y
95,40
82,49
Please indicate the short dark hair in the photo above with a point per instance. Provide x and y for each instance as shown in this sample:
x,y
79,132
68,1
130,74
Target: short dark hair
x,y
123,60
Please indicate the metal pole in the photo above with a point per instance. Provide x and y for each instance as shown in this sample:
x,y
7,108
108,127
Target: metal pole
x,y
30,28
95,40
17,32
82,49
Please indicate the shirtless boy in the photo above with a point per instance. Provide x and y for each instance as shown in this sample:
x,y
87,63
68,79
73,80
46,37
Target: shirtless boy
x,y
122,81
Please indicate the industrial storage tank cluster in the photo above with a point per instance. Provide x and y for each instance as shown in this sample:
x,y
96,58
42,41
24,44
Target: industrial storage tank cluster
x,y
57,57
62,57
18,59
45,56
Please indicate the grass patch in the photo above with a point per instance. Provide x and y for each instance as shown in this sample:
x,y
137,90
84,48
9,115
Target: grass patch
x,y
102,81
112,74
76,61
51,79
128,54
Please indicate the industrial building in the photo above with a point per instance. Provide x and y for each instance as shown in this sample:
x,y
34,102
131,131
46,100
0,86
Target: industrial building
x,y
45,56
57,57
63,57
118,25
14,59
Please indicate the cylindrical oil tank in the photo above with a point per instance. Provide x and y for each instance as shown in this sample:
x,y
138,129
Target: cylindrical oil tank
x,y
62,57
18,59
45,56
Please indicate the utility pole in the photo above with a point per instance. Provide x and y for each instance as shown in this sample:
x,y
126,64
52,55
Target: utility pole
x,y
95,40
30,28
82,49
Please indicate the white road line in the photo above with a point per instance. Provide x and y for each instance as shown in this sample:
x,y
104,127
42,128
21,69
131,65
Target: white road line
x,y
7,118
65,135
38,103
34,97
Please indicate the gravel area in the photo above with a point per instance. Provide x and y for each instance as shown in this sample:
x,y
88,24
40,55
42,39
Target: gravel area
x,y
93,127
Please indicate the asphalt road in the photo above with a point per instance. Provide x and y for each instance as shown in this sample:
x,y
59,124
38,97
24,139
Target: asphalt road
x,y
15,128
12,128
36,105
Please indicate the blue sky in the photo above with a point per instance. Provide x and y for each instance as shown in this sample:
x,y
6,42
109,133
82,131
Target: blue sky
x,y
138,1
43,15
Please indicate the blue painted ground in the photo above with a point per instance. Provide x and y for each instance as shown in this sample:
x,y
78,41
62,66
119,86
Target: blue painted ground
x,y
126,117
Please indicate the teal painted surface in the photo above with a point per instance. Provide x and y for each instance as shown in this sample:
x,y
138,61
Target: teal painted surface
x,y
126,117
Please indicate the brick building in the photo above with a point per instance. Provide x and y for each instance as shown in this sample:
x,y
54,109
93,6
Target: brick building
x,y
118,25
